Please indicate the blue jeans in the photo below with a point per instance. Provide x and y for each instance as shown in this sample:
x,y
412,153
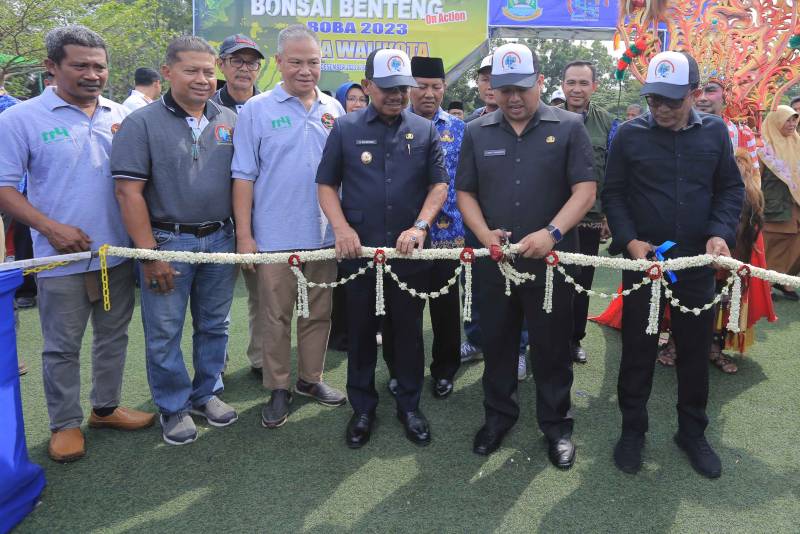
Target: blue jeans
x,y
208,290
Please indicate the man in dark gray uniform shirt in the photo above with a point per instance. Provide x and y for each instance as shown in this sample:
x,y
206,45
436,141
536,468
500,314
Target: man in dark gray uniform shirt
x,y
526,174
389,166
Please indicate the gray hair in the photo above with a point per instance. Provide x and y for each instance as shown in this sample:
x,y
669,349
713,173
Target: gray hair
x,y
637,106
187,43
295,32
74,34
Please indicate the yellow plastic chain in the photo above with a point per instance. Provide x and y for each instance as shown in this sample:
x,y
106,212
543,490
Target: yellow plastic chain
x,y
40,268
104,278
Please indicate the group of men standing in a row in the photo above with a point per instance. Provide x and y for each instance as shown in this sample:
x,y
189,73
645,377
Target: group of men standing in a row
x,y
308,176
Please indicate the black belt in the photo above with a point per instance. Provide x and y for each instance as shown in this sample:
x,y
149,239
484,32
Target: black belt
x,y
197,230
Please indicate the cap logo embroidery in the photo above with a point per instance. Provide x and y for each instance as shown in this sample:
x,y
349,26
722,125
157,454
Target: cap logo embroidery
x,y
664,69
510,60
395,64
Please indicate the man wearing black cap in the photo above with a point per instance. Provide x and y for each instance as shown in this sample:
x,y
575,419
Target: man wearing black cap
x,y
446,232
671,176
526,174
388,165
147,87
456,109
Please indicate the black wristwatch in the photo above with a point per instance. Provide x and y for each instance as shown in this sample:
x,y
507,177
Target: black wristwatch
x,y
422,225
555,233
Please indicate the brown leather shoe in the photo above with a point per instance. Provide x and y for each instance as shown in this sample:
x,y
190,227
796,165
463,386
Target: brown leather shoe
x,y
66,445
123,419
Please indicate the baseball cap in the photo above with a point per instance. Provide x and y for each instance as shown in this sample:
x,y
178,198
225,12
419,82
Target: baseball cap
x,y
671,74
558,94
234,43
387,68
486,64
514,64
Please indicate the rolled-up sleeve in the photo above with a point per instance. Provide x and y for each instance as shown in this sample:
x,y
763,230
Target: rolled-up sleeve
x,y
245,163
726,204
130,150
467,172
614,194
329,171
437,171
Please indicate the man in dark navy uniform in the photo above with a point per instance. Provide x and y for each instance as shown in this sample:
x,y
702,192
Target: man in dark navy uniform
x,y
389,168
525,169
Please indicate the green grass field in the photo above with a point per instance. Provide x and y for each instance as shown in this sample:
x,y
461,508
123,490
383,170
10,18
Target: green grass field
x,y
301,477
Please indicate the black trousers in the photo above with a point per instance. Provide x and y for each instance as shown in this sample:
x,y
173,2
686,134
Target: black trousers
x,y
589,244
692,335
405,314
23,250
501,319
445,313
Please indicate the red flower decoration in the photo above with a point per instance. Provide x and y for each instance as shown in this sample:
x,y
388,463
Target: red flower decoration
x,y
552,258
295,261
496,253
654,272
380,257
467,255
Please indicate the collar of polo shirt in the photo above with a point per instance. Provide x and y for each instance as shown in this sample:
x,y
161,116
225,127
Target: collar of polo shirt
x,y
283,96
211,110
51,99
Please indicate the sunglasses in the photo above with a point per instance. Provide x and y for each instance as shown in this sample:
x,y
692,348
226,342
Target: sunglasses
x,y
655,101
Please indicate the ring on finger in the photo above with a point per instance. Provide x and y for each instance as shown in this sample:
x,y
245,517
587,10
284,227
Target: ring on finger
x,y
154,283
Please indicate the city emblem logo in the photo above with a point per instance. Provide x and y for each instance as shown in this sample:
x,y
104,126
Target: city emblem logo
x,y
522,10
327,120
395,64
664,69
446,137
223,134
366,157
550,139
510,61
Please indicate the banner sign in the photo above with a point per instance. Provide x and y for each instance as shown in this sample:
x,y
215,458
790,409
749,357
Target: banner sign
x,y
554,13
349,30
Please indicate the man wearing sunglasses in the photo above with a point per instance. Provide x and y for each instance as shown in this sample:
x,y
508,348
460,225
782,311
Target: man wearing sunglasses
x,y
671,176
387,162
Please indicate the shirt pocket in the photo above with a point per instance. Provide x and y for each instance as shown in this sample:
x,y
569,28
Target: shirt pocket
x,y
699,167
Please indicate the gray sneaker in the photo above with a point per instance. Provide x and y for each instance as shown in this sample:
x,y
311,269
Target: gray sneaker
x,y
320,392
216,412
470,352
178,428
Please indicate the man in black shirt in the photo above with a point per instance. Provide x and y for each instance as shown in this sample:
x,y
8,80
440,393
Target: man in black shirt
x,y
670,176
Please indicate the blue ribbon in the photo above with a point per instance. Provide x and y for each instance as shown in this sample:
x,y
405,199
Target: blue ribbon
x,y
659,252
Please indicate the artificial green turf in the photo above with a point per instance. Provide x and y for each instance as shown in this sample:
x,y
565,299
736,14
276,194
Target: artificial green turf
x,y
301,477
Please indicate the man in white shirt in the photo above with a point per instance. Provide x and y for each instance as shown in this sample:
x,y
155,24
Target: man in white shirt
x,y
147,89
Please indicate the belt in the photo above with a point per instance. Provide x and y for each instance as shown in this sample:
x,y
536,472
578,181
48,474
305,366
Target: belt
x,y
197,230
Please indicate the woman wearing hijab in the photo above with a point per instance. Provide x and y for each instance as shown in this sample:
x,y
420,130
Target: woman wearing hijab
x,y
352,97
780,183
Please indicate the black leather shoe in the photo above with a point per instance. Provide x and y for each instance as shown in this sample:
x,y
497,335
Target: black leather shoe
x,y
359,429
562,453
487,440
442,388
391,385
417,430
702,457
257,371
578,354
276,411
628,452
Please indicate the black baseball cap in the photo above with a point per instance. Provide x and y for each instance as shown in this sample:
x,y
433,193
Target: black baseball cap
x,y
234,43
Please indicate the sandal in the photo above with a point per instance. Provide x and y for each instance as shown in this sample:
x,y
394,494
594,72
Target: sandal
x,y
721,360
667,354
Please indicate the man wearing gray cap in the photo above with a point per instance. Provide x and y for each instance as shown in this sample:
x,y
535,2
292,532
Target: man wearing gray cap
x,y
387,163
525,174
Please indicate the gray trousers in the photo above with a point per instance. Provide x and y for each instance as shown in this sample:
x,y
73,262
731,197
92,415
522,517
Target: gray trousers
x,y
65,305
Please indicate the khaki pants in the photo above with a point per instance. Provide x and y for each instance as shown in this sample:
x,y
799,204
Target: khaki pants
x,y
255,323
277,288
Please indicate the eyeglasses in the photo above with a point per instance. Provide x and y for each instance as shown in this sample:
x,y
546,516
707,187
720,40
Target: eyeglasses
x,y
396,89
359,99
655,101
238,63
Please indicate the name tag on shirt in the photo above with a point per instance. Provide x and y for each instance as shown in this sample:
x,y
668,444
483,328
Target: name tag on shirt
x,y
495,152
360,142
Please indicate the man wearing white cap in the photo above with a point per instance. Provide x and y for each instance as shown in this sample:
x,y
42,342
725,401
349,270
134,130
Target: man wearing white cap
x,y
485,92
388,165
671,177
558,97
526,175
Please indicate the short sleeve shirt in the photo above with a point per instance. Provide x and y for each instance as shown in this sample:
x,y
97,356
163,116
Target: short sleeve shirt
x,y
65,154
278,145
187,170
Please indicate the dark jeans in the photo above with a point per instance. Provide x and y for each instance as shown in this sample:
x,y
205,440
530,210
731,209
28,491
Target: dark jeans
x,y
692,335
589,244
23,250
445,321
502,318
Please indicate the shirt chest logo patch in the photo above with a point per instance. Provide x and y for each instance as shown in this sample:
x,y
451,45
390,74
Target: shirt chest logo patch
x,y
281,123
550,139
55,135
115,128
446,137
223,134
327,120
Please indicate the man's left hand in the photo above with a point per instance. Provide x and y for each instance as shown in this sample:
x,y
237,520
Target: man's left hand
x,y
409,240
536,245
716,246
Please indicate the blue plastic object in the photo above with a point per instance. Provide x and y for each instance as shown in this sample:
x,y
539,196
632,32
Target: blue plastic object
x,y
21,482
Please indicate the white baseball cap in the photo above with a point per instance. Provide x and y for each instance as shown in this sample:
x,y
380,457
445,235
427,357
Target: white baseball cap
x,y
514,64
388,68
486,63
671,74
558,93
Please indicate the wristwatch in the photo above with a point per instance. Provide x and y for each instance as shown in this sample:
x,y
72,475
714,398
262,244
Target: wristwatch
x,y
555,233
422,225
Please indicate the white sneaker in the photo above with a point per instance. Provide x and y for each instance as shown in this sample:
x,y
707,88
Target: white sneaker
x,y
522,368
178,428
216,412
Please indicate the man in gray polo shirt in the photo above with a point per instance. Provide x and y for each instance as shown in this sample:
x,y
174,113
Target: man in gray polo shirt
x,y
171,162
62,139
279,141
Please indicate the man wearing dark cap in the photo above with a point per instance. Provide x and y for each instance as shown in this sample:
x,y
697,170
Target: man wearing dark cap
x,y
147,88
447,231
526,175
456,109
239,61
671,176
388,166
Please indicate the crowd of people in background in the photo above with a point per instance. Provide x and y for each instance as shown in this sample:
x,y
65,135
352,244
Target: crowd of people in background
x,y
383,163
